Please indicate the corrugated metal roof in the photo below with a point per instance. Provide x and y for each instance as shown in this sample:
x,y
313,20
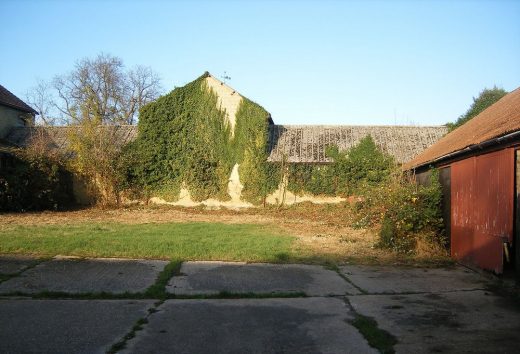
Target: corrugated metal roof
x,y
308,143
499,119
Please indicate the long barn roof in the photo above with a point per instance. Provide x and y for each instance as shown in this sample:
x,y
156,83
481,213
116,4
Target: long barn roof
x,y
308,143
58,137
498,120
297,143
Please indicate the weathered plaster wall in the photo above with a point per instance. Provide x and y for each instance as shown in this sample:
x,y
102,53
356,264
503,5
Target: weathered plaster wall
x,y
280,196
284,196
234,191
228,99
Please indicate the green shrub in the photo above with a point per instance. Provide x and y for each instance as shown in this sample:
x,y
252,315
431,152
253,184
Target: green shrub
x,y
96,160
364,165
405,210
351,171
34,182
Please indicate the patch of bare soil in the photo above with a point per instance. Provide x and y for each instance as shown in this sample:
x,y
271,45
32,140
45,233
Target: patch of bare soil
x,y
323,231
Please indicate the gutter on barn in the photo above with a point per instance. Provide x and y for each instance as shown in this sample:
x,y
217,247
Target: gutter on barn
x,y
472,148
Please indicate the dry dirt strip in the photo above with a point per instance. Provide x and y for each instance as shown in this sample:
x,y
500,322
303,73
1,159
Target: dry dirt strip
x,y
219,307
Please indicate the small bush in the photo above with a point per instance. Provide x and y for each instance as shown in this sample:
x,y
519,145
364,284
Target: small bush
x,y
362,166
96,157
34,182
405,211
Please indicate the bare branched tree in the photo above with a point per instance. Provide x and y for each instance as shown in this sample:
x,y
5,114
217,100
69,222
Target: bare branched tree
x,y
144,86
101,91
96,98
40,98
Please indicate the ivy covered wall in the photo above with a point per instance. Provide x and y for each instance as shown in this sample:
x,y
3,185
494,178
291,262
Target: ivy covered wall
x,y
352,171
185,139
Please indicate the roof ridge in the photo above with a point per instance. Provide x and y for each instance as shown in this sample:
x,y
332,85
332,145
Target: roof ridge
x,y
499,119
361,126
9,99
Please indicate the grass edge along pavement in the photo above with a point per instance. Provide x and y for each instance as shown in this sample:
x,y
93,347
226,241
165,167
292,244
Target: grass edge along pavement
x,y
186,241
155,291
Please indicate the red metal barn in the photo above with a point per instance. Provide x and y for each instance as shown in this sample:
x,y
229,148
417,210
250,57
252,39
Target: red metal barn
x,y
479,169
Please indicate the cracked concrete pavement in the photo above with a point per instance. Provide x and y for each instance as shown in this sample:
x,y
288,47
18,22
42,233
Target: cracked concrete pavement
x,y
261,309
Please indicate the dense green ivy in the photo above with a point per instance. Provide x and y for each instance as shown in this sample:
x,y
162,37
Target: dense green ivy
x,y
250,145
182,139
352,171
31,181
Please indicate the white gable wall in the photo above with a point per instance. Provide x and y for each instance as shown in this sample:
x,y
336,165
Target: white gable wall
x,y
228,100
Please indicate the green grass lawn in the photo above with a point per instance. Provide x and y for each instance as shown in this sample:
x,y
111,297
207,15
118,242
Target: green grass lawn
x,y
184,241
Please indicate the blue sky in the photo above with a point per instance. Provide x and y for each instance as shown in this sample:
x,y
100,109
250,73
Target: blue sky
x,y
307,62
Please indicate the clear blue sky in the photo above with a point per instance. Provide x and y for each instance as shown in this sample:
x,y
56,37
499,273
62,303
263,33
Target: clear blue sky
x,y
311,62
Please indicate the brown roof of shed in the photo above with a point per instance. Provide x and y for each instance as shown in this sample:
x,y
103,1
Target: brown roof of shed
x,y
308,143
7,98
498,120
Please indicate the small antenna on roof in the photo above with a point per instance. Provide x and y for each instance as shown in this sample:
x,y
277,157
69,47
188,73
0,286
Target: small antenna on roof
x,y
225,77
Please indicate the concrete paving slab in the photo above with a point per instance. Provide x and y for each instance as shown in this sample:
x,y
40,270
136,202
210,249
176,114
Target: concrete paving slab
x,y
298,325
395,280
456,322
214,277
114,276
66,326
12,264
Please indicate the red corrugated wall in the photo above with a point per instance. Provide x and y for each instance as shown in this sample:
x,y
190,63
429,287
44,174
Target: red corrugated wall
x,y
482,197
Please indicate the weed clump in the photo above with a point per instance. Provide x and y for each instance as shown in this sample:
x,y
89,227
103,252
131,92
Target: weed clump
x,y
375,336
406,212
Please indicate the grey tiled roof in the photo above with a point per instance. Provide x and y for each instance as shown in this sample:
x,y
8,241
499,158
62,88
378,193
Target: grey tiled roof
x,y
298,143
308,143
